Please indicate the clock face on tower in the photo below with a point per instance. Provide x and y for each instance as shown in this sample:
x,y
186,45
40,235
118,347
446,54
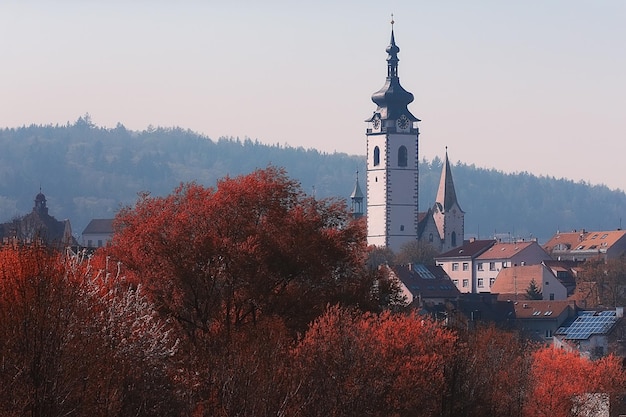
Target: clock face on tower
x,y
376,123
403,122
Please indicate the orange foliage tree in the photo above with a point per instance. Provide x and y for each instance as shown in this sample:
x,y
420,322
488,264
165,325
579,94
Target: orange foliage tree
x,y
563,381
253,246
355,364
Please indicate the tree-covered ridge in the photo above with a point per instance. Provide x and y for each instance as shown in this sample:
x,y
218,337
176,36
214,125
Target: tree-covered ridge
x,y
88,172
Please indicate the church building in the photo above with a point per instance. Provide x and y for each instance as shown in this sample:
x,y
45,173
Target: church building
x,y
393,217
37,227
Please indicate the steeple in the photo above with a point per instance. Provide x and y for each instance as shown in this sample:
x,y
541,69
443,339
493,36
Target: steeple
x,y
392,99
446,195
357,199
40,203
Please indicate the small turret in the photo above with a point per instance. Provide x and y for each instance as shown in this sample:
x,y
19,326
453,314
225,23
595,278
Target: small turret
x,y
357,199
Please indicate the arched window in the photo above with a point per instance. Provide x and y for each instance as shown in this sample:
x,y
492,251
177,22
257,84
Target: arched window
x,y
453,239
376,156
402,156
430,237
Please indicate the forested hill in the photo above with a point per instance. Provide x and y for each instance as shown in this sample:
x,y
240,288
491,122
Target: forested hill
x,y
89,172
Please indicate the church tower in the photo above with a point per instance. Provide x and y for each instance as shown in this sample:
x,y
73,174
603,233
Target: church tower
x,y
447,213
392,162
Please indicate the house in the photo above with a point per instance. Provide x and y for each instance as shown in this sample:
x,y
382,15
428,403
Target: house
x,y
583,245
97,233
458,263
589,332
505,255
38,226
471,310
424,284
539,320
515,281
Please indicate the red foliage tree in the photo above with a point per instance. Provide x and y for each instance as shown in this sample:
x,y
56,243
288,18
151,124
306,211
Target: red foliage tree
x,y
355,364
563,379
68,346
253,246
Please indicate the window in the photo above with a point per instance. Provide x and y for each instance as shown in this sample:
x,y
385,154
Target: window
x,y
402,156
376,156
548,333
465,283
455,266
491,281
481,283
503,264
455,282
480,266
465,266
402,228
552,296
430,237
492,266
453,239
89,243
99,243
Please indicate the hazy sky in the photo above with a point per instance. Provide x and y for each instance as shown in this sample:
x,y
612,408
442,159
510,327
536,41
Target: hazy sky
x,y
537,86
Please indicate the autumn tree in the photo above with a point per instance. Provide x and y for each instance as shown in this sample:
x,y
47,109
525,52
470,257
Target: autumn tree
x,y
489,374
609,277
254,246
416,252
563,380
355,364
69,346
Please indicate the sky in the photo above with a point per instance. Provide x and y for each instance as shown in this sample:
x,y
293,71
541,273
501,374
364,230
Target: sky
x,y
533,86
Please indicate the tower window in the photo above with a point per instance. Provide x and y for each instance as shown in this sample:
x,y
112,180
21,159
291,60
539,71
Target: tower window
x,y
376,156
402,228
453,238
430,237
402,156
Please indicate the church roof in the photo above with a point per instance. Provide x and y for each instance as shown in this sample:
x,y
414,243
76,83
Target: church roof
x,y
99,226
446,194
392,99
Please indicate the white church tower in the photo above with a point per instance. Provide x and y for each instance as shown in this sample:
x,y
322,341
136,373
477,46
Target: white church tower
x,y
392,162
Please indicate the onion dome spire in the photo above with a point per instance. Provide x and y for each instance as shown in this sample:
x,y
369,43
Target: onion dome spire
x,y
392,99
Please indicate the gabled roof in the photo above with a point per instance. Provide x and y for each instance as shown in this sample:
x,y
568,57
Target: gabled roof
x,y
426,281
584,241
501,250
468,250
99,226
517,279
540,309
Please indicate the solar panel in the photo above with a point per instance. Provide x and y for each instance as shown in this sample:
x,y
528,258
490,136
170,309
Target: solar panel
x,y
588,323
